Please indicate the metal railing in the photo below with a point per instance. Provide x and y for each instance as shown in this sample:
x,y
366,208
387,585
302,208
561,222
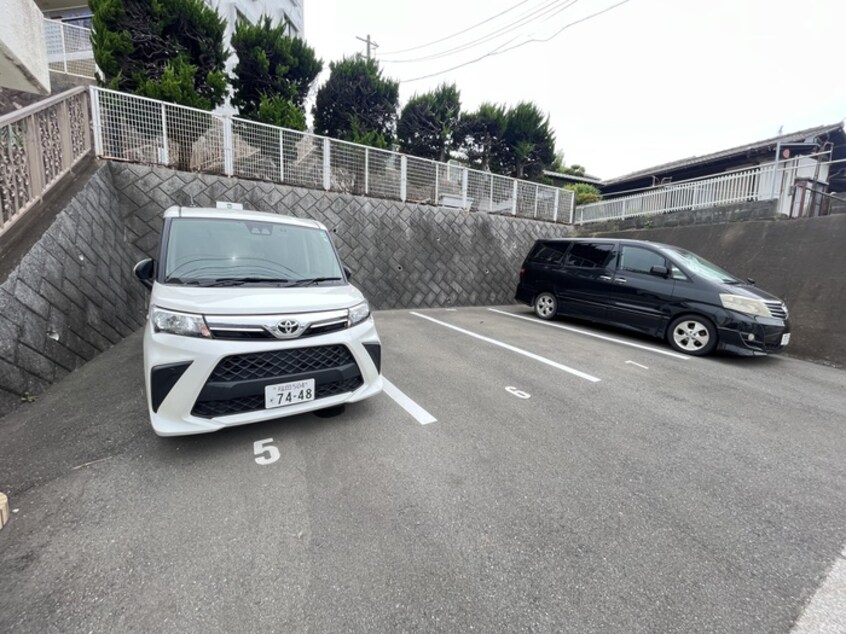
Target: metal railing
x,y
742,186
132,128
69,49
38,145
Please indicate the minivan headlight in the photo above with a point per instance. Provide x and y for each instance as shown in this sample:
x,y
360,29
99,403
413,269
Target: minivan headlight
x,y
359,313
745,305
179,323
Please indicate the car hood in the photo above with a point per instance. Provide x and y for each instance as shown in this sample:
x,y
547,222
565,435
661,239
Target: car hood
x,y
747,290
252,300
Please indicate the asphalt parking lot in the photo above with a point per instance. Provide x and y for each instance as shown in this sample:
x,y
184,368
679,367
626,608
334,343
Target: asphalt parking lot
x,y
515,476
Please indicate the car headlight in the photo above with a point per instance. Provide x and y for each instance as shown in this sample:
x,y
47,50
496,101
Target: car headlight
x,y
745,305
179,323
359,313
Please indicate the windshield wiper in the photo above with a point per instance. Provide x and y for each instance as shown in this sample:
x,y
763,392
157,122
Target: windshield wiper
x,y
315,280
179,280
240,281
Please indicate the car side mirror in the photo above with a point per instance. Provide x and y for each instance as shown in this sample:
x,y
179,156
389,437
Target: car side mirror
x,y
348,273
145,270
660,271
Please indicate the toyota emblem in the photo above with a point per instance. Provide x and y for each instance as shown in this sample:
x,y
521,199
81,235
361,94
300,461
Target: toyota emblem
x,y
288,327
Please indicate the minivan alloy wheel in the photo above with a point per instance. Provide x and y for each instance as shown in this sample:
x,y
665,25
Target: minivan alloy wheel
x,y
693,335
546,305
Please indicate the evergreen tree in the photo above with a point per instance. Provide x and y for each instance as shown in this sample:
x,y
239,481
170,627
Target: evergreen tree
x,y
429,124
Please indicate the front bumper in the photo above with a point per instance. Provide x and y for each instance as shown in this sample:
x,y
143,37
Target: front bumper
x,y
752,336
199,397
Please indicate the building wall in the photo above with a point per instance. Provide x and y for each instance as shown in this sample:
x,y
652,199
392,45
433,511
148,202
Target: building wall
x,y
23,53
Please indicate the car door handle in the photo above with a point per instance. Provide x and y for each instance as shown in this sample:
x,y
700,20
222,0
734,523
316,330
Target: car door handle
x,y
605,277
620,280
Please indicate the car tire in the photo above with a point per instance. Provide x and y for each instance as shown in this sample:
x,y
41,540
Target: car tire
x,y
693,335
546,306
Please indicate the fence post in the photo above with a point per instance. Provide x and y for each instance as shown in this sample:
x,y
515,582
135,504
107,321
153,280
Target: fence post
x,y
555,206
327,165
490,198
464,188
64,48
537,191
572,198
514,199
281,156
366,171
34,164
165,158
228,162
94,94
403,177
63,116
437,184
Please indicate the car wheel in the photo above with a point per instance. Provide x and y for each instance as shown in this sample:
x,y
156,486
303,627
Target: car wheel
x,y
693,335
546,305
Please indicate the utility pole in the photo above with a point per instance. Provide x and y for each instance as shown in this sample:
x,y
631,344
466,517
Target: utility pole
x,y
370,44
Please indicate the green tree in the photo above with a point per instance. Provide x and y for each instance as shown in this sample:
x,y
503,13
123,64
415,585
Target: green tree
x,y
429,123
481,135
585,192
528,142
274,74
170,50
357,103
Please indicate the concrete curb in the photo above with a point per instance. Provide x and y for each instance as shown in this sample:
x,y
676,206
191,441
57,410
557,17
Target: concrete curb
x,y
4,510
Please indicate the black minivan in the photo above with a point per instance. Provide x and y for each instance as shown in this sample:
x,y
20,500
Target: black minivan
x,y
656,289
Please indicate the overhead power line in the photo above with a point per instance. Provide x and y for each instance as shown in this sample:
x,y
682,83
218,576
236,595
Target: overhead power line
x,y
547,11
452,35
501,49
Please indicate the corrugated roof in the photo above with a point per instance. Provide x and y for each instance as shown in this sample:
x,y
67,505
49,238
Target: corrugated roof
x,y
793,137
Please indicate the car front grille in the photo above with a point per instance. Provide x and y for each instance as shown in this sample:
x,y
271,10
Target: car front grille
x,y
243,377
210,409
777,309
278,363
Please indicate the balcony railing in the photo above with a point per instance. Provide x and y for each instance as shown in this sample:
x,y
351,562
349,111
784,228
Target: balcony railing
x,y
69,49
38,145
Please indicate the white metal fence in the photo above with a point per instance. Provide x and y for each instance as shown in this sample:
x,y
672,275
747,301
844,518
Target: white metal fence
x,y
132,128
69,49
764,182
38,145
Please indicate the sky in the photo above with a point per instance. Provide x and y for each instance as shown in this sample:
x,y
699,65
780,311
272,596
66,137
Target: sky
x,y
647,82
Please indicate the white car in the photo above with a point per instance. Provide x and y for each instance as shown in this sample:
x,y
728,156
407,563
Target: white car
x,y
252,317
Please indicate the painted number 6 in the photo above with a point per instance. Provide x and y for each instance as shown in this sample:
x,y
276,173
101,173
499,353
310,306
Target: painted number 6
x,y
262,447
518,393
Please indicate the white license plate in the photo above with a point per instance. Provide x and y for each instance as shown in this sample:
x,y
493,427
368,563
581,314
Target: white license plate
x,y
785,339
283,394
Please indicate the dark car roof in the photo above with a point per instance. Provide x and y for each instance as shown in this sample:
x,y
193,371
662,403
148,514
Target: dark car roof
x,y
616,240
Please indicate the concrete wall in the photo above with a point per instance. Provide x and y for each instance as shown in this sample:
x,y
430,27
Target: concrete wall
x,y
803,261
73,294
401,255
23,53
70,297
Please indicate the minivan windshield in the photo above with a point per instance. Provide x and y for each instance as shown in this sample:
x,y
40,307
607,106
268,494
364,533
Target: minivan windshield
x,y
700,266
234,252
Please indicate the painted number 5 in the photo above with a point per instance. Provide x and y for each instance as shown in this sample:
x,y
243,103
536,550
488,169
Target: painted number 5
x,y
265,452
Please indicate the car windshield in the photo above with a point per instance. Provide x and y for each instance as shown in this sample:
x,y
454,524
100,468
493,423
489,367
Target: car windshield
x,y
702,267
234,252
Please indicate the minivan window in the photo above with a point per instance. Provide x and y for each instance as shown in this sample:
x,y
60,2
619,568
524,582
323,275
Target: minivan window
x,y
639,260
701,266
593,255
214,250
549,253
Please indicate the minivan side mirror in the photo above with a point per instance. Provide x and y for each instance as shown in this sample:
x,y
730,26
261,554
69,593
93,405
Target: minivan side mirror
x,y
347,272
660,271
145,270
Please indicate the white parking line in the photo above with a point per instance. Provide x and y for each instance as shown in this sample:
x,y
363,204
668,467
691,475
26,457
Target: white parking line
x,y
675,355
525,353
826,611
421,415
638,365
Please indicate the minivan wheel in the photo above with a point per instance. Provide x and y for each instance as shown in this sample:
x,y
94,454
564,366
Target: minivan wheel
x,y
693,335
546,306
